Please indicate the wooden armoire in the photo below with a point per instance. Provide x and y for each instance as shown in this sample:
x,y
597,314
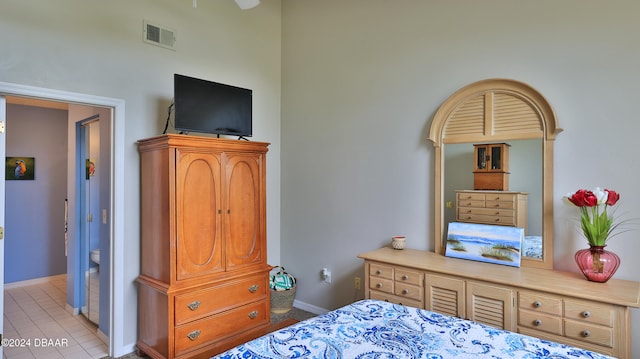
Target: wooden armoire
x,y
204,278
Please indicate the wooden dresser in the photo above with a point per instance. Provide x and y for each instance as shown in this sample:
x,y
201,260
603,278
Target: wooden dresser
x,y
558,306
204,282
492,207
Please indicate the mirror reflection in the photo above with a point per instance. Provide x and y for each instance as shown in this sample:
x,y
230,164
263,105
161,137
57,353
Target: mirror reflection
x,y
525,175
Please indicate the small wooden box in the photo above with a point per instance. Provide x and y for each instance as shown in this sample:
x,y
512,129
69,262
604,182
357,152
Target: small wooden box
x,y
491,166
494,181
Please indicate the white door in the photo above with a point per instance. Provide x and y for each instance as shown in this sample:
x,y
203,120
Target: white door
x,y
3,124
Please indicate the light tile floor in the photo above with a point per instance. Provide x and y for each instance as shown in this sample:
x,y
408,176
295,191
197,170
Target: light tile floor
x,y
36,314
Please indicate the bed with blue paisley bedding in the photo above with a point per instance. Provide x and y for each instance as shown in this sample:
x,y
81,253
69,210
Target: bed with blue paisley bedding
x,y
377,329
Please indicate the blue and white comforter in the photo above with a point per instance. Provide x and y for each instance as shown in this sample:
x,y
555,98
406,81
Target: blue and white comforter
x,y
371,329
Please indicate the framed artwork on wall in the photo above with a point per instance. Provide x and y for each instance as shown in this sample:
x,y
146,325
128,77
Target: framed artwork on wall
x,y
20,168
485,243
90,168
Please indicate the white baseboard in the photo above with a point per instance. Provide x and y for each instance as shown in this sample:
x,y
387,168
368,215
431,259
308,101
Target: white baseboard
x,y
27,282
102,336
71,310
309,308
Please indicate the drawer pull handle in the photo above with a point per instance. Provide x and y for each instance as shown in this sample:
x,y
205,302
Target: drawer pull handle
x,y
405,277
586,333
378,272
405,291
537,304
379,285
193,335
586,314
254,288
253,315
194,305
537,322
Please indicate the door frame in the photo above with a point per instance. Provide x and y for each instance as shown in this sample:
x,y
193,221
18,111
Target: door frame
x,y
116,259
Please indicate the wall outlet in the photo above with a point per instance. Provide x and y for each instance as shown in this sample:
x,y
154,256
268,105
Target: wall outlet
x,y
357,283
326,275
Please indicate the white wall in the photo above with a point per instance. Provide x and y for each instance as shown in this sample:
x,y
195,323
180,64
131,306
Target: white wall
x,y
363,78
96,48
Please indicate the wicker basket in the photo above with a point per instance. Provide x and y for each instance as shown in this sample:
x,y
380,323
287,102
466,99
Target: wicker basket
x,y
282,300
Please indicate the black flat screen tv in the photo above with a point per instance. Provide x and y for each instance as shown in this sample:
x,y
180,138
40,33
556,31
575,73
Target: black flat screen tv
x,y
210,107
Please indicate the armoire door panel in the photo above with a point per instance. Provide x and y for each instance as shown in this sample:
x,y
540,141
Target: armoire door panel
x,y
244,224
198,202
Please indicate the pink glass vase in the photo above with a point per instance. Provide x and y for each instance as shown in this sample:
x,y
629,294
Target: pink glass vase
x,y
597,264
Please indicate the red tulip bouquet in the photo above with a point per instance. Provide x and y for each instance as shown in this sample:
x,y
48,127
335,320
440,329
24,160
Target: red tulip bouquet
x,y
597,224
596,263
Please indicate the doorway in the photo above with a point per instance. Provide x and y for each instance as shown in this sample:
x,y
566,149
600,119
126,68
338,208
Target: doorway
x,y
92,193
115,204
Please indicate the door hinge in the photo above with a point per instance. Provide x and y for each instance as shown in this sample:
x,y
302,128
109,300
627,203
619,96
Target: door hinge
x,y
89,217
1,232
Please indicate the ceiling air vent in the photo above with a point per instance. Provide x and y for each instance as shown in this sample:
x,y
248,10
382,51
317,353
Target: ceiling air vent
x,y
159,35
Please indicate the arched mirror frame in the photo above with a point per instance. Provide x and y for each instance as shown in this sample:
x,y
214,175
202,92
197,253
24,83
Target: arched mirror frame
x,y
497,110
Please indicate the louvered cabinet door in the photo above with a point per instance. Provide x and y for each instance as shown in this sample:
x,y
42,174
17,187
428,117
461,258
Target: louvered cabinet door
x,y
445,295
490,305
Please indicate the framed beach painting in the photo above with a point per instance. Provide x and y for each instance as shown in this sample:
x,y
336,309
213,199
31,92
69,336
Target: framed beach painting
x,y
485,243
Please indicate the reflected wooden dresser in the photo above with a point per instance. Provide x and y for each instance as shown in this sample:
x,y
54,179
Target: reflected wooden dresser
x,y
492,207
553,305
204,281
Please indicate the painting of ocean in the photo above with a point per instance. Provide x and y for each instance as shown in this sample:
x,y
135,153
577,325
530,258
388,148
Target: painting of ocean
x,y
485,243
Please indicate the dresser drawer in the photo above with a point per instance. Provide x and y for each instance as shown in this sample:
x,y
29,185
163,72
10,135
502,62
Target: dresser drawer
x,y
540,303
396,299
202,303
470,196
381,284
588,312
500,197
381,271
501,212
408,291
478,218
207,330
590,333
470,203
499,204
409,277
540,321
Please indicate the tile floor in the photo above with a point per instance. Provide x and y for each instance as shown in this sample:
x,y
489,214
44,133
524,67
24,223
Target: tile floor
x,y
36,313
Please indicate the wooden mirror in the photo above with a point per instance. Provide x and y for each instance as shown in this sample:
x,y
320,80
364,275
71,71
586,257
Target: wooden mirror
x,y
498,111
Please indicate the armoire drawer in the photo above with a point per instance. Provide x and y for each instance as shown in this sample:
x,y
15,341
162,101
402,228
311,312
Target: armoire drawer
x,y
207,330
204,302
